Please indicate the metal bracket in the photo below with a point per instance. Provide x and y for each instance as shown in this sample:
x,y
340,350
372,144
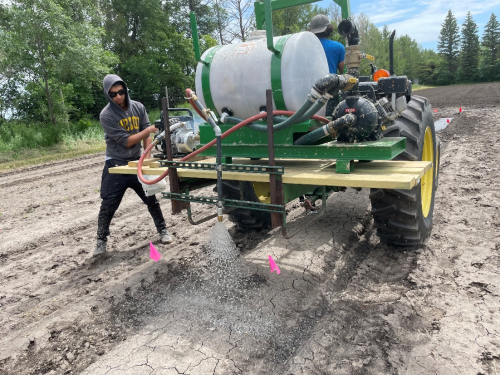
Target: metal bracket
x,y
247,168
313,220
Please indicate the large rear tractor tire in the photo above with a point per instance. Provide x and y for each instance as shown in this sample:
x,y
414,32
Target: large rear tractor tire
x,y
244,218
404,217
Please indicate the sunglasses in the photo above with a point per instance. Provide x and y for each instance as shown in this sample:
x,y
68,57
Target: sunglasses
x,y
113,94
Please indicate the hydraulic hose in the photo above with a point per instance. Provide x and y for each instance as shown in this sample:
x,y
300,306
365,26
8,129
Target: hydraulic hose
x,y
278,119
329,129
211,143
315,108
289,121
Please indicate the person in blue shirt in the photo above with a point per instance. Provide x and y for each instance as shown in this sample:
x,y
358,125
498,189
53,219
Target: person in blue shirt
x,y
335,52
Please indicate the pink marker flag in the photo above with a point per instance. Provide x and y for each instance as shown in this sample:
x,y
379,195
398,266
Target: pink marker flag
x,y
153,253
460,110
435,110
448,120
273,265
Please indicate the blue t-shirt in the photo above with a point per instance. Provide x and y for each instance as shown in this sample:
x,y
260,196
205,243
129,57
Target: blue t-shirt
x,y
335,53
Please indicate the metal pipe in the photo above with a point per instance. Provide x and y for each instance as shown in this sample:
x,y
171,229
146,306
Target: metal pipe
x,y
218,161
196,42
269,27
391,52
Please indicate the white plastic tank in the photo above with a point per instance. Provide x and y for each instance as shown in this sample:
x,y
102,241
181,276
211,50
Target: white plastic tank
x,y
240,74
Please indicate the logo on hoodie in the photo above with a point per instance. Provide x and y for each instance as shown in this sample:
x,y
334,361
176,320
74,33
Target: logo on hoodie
x,y
130,123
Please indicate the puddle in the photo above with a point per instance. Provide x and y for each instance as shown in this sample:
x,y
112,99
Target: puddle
x,y
442,123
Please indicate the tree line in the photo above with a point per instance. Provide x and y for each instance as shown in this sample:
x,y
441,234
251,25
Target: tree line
x,y
464,56
54,53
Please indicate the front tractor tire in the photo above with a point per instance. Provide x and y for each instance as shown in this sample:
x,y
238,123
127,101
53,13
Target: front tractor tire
x,y
404,217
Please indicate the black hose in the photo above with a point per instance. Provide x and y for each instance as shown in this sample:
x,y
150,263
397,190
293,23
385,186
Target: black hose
x,y
253,125
330,129
312,111
284,124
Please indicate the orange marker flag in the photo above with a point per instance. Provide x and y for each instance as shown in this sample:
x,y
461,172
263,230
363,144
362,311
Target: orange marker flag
x,y
273,266
153,253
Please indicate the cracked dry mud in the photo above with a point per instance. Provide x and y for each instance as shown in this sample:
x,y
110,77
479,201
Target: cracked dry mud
x,y
343,304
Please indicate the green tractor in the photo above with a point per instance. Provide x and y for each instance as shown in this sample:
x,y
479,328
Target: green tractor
x,y
262,102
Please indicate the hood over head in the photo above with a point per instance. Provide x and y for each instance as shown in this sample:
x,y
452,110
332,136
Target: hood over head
x,y
108,82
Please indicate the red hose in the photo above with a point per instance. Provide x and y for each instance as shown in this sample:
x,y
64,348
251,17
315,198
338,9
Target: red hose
x,y
211,143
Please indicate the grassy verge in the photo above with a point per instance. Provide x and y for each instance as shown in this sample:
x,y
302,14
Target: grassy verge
x,y
24,144
421,87
28,157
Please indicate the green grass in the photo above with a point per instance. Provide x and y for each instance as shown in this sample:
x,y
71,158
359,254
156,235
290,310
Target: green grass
x,y
421,87
24,144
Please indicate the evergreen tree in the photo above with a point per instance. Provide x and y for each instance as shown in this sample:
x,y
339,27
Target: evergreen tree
x,y
491,40
448,48
469,55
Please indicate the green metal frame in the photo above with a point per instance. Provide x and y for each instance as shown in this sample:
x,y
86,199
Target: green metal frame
x,y
247,168
248,143
279,100
205,79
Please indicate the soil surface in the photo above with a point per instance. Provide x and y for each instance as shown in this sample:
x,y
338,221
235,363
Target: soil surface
x,y
344,303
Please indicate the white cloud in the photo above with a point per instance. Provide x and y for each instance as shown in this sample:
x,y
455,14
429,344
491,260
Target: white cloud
x,y
425,16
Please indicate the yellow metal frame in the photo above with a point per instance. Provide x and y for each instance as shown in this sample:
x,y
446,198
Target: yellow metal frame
x,y
427,183
376,174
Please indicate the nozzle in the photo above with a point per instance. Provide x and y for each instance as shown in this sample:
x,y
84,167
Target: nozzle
x,y
219,214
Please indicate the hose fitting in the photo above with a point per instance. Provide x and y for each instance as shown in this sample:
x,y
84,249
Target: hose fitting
x,y
223,117
158,138
341,122
333,83
329,129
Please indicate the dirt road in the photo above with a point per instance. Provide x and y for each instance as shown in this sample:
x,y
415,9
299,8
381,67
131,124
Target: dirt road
x,y
343,304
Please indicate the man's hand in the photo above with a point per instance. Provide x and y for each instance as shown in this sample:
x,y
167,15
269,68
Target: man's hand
x,y
136,138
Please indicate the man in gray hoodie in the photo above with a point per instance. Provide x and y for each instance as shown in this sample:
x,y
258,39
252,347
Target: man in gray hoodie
x,y
126,124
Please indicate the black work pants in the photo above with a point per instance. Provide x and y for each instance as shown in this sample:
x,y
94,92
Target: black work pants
x,y
113,187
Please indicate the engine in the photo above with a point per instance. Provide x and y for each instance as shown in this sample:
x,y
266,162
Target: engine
x,y
183,134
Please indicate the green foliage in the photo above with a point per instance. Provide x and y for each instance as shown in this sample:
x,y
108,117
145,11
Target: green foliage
x,y
206,17
152,53
448,47
16,135
490,51
491,40
295,19
469,55
43,44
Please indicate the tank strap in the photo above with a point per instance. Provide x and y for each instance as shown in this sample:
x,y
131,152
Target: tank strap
x,y
279,100
205,79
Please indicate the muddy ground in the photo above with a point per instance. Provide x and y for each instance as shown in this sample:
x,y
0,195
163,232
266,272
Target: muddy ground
x,y
344,303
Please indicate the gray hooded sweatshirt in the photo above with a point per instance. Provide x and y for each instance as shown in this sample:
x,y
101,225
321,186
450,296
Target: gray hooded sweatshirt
x,y
119,124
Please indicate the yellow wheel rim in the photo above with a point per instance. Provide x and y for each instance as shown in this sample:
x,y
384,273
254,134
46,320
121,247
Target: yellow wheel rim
x,y
427,181
437,161
263,191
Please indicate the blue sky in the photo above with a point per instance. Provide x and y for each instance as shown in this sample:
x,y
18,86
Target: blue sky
x,y
422,19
